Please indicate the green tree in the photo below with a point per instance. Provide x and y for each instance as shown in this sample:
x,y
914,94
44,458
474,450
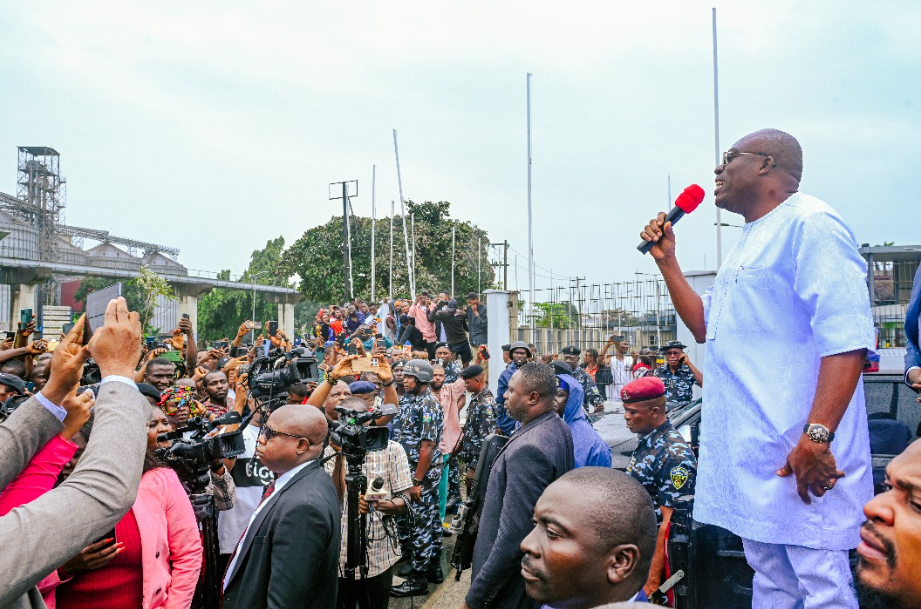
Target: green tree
x,y
316,257
221,311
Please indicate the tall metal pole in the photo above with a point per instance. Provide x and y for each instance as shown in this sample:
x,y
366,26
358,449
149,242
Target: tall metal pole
x,y
409,265
479,265
346,271
252,333
412,223
390,292
453,234
716,140
373,219
658,322
505,267
530,235
412,292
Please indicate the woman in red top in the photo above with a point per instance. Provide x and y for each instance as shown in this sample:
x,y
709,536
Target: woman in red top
x,y
154,557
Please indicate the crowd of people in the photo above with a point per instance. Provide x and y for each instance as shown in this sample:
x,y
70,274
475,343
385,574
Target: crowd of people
x,y
96,511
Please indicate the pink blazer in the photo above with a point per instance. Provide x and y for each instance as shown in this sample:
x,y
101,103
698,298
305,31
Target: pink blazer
x,y
35,480
170,542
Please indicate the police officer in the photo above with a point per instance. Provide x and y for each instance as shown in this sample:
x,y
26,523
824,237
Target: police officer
x,y
592,400
481,419
420,427
520,354
678,374
662,462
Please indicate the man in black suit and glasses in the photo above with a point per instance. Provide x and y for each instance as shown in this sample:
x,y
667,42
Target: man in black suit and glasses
x,y
289,554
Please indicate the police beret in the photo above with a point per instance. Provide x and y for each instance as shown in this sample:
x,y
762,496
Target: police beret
x,y
571,350
561,367
362,387
445,345
674,344
642,389
471,371
506,347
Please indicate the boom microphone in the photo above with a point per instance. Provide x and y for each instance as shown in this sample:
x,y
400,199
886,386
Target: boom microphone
x,y
686,202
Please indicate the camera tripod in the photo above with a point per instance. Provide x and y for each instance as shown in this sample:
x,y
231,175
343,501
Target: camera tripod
x,y
356,483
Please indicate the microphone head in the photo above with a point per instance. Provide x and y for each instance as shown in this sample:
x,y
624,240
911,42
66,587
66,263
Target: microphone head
x,y
378,483
690,198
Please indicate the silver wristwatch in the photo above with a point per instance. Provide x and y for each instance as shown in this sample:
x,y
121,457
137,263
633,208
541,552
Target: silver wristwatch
x,y
818,433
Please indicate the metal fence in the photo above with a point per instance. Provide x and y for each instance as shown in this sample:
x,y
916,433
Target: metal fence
x,y
588,314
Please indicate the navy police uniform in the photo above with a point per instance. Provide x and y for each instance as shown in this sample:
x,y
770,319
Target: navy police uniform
x,y
679,385
665,465
421,418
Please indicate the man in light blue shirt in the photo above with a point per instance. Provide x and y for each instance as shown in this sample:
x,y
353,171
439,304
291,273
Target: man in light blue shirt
x,y
787,325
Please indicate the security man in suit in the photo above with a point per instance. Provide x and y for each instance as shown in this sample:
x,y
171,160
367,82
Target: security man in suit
x,y
289,554
538,453
662,462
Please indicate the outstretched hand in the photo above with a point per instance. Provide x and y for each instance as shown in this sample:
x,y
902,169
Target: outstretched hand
x,y
67,364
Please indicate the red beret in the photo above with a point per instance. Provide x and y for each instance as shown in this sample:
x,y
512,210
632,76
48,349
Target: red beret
x,y
644,388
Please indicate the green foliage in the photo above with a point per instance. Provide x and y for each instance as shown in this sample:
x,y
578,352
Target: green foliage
x,y
139,293
558,315
221,311
151,286
316,257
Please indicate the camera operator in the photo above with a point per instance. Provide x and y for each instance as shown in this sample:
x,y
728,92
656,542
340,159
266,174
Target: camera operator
x,y
250,479
392,466
104,486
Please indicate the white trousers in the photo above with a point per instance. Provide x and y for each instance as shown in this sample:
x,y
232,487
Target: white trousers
x,y
794,577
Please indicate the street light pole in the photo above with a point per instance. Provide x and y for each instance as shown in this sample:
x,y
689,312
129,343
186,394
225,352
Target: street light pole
x,y
252,333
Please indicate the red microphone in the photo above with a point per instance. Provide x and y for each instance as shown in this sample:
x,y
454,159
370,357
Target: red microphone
x,y
686,202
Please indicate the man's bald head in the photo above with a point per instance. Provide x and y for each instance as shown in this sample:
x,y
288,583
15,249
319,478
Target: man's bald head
x,y
781,146
300,420
593,540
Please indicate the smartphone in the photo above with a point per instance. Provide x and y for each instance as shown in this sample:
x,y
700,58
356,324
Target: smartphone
x,y
151,343
252,325
484,353
67,328
273,328
25,316
219,344
185,315
10,335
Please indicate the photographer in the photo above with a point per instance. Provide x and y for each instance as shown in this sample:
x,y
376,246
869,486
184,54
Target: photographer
x,y
104,486
454,325
391,465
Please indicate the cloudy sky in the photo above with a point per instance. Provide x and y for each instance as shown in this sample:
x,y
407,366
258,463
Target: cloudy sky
x,y
215,126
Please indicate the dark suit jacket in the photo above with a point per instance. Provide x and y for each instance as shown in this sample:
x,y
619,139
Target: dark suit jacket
x,y
535,455
913,356
290,557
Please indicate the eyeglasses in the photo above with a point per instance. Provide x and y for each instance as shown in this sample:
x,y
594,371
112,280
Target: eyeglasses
x,y
728,156
268,433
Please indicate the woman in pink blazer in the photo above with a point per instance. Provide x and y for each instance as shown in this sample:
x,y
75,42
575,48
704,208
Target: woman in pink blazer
x,y
155,557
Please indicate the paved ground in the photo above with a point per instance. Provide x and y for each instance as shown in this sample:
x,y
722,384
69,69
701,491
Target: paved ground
x,y
447,595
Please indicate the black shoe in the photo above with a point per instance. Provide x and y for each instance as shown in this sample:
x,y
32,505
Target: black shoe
x,y
413,586
452,504
446,532
405,570
435,576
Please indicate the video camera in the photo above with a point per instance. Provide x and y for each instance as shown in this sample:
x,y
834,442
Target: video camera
x,y
194,452
274,373
351,433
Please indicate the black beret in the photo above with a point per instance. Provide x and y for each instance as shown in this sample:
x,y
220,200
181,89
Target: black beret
x,y
571,350
471,371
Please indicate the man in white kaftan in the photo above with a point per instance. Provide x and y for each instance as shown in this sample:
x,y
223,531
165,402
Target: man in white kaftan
x,y
786,325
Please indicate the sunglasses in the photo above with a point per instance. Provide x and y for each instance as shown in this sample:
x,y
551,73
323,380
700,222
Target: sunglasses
x,y
268,433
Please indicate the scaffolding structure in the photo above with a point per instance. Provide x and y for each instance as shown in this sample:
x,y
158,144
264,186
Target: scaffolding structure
x,y
587,315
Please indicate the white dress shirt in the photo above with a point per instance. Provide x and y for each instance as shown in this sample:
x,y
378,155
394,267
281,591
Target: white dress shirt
x,y
792,291
279,484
